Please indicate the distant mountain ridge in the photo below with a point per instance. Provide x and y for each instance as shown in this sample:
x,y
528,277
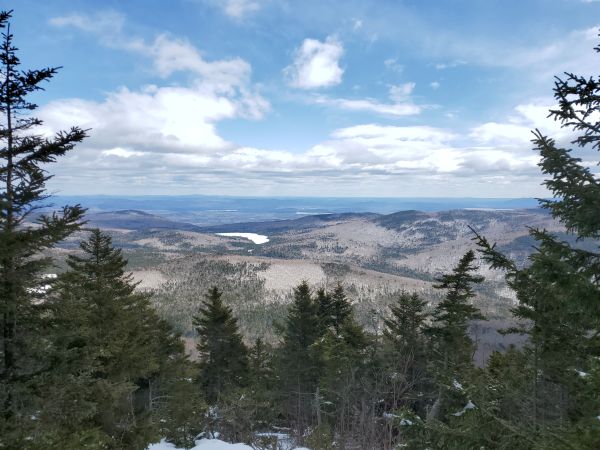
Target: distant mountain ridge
x,y
209,211
443,224
135,220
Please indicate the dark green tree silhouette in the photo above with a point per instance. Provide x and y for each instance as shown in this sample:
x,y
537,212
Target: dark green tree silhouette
x,y
23,235
298,359
452,316
452,348
110,354
559,290
404,327
223,355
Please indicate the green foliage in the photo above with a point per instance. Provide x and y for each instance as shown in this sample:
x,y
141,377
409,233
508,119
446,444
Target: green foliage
x,y
23,237
223,355
297,359
451,317
180,407
111,345
558,291
404,327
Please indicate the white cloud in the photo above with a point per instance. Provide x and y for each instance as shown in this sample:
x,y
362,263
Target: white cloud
x,y
449,65
401,103
159,139
154,118
515,132
371,105
393,65
122,152
543,61
168,54
435,85
103,22
316,64
368,159
238,9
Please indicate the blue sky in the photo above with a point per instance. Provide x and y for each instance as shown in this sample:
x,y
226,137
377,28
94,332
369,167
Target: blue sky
x,y
325,98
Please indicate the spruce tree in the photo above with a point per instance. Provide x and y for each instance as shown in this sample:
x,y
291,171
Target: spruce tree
x,y
298,359
452,316
262,384
24,236
342,355
404,327
452,347
334,308
404,352
559,290
223,355
112,347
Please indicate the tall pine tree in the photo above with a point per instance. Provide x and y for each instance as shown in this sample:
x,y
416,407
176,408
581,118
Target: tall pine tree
x,y
453,349
559,290
223,355
111,347
23,236
405,352
298,359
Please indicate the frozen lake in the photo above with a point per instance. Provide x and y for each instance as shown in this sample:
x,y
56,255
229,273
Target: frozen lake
x,y
256,238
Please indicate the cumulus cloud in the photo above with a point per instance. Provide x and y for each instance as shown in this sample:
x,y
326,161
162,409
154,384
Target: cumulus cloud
x,y
168,54
159,118
153,119
164,138
316,64
516,130
363,159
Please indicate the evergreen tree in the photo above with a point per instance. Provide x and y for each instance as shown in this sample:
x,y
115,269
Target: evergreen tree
x,y
298,359
334,308
558,291
404,327
452,347
405,352
452,316
112,347
341,351
181,409
262,384
23,237
223,355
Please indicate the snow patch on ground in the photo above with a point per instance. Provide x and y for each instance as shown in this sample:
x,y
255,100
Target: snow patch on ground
x,y
256,238
204,444
208,444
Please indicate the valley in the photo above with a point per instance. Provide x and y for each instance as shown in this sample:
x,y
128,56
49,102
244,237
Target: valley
x,y
375,256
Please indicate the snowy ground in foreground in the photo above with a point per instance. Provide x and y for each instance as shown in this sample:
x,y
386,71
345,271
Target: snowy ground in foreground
x,y
204,444
256,238
208,444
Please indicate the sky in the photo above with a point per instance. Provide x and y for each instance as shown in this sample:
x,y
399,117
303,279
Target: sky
x,y
341,98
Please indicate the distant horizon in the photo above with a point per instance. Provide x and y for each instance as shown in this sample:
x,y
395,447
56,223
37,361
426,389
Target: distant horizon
x,y
255,197
226,209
